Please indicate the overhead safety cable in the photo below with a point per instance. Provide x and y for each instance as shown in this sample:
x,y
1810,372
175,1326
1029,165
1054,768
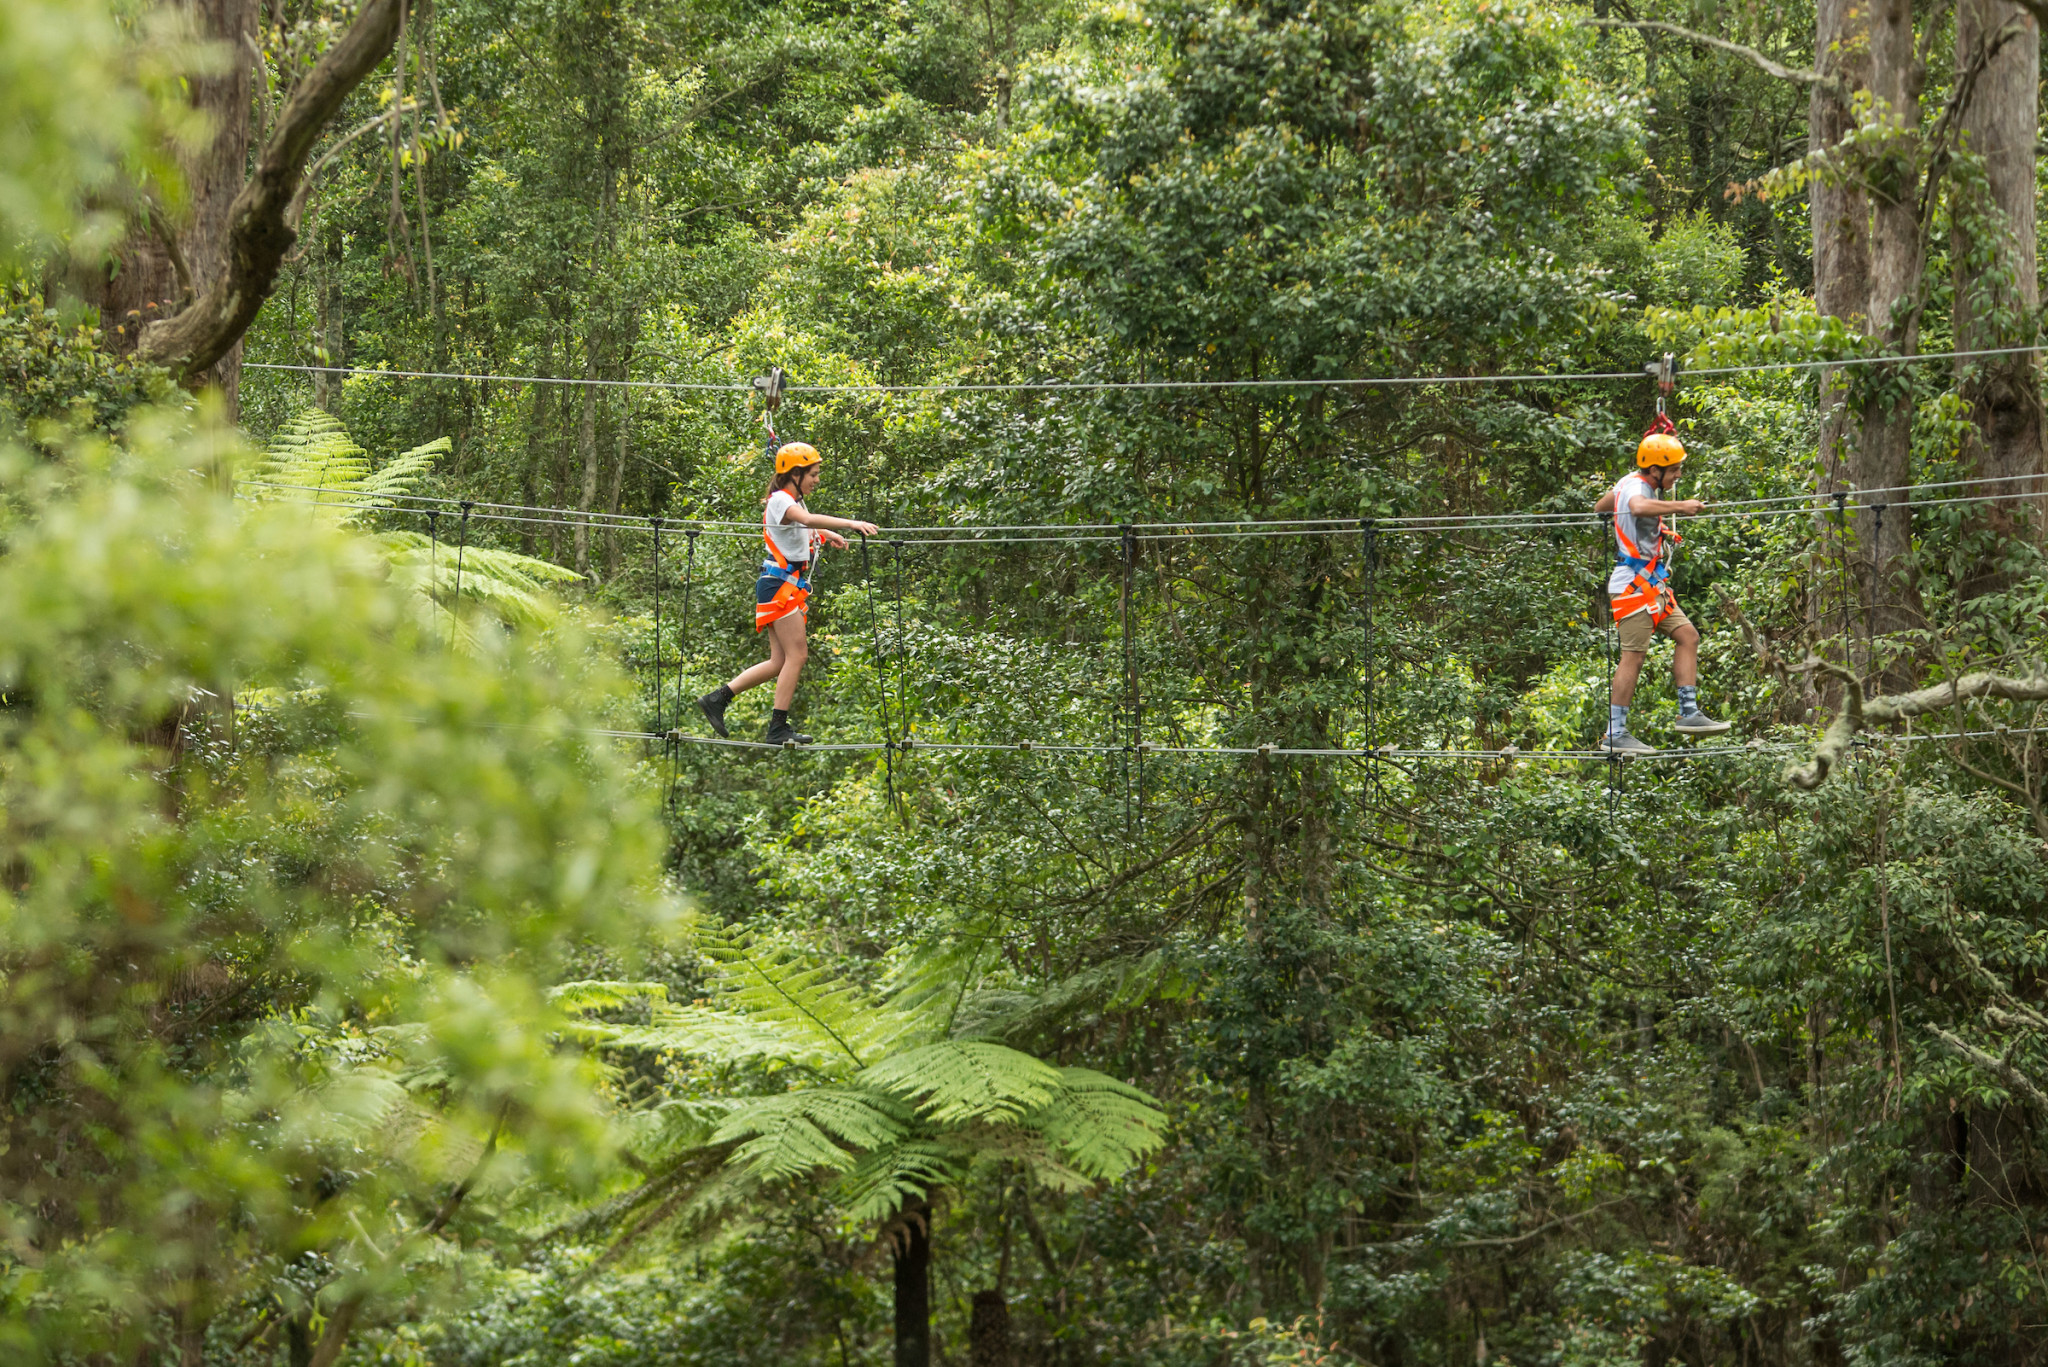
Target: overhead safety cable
x,y
1099,386
1795,505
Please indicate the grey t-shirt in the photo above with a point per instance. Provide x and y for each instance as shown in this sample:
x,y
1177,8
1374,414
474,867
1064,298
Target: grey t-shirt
x,y
1644,529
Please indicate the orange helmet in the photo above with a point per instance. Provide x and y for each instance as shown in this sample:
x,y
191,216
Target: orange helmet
x,y
791,454
1659,448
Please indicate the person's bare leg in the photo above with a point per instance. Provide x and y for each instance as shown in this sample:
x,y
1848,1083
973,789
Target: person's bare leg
x,y
1625,675
794,648
756,675
1685,663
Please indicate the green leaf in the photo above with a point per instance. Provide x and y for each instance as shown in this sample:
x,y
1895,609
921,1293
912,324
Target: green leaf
x,y
798,1132
955,1082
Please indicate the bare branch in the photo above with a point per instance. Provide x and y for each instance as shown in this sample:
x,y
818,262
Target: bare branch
x,y
1997,1067
1748,54
1857,713
259,235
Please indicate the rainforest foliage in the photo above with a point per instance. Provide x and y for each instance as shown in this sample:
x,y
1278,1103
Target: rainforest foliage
x,y
377,986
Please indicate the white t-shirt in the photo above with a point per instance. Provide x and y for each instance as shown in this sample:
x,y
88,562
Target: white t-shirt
x,y
1645,529
793,539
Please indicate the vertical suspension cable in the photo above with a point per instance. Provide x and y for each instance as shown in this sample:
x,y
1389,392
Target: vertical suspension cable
x,y
902,696
658,727
1876,587
867,577
1844,576
433,563
461,547
683,637
1134,759
1613,663
1368,531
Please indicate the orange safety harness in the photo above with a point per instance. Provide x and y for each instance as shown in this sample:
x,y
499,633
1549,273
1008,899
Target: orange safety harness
x,y
1646,589
795,593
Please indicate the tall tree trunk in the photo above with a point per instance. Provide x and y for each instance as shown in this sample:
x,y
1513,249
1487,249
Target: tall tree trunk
x,y
1867,266
536,439
1841,216
143,283
1884,448
914,1289
618,489
2000,122
586,447
332,323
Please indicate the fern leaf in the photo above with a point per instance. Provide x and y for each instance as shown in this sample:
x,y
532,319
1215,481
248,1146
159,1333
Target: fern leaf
x,y
1120,984
956,1082
799,1132
781,986
513,586
1100,1126
604,996
884,1181
402,474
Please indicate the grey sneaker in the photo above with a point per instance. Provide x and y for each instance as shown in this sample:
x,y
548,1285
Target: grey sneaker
x,y
1625,744
1700,724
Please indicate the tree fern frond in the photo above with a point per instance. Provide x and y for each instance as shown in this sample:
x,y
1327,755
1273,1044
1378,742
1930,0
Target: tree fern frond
x,y
513,586
716,1037
992,1012
1120,984
604,996
883,1182
955,1082
313,459
347,1109
931,984
798,1132
673,1127
782,986
1098,1125
402,473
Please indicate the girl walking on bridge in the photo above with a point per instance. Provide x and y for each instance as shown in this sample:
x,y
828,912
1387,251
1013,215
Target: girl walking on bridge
x,y
782,592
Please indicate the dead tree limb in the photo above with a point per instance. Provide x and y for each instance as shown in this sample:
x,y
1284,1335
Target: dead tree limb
x,y
258,232
1800,74
1857,713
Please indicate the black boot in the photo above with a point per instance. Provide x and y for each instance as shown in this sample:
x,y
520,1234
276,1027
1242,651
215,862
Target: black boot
x,y
780,732
713,705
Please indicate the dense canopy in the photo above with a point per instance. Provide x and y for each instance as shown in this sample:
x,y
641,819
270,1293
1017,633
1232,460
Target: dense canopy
x,y
1204,931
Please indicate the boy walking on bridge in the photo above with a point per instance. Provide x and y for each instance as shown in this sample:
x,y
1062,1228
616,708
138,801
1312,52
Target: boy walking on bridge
x,y
1643,605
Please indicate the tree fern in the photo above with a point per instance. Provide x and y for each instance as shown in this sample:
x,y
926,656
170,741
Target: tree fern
x,y
876,1096
313,461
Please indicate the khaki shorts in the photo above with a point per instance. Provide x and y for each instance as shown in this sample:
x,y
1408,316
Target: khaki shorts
x,y
1636,629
